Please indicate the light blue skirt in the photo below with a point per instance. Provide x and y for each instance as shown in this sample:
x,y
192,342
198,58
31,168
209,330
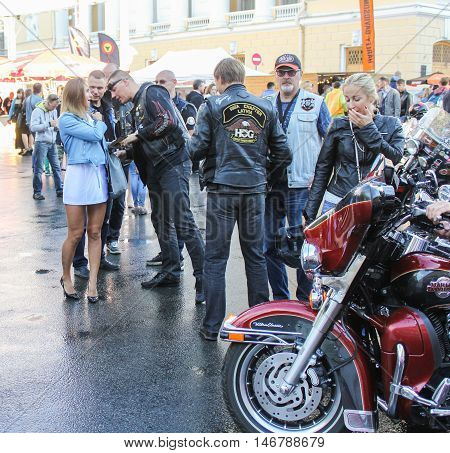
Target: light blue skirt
x,y
85,184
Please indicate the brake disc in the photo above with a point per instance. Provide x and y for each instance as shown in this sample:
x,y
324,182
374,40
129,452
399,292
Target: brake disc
x,y
268,377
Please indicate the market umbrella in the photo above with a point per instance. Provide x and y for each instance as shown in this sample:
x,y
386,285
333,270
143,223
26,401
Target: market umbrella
x,y
50,64
435,78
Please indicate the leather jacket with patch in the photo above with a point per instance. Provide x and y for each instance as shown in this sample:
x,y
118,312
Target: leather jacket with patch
x,y
161,141
240,138
337,158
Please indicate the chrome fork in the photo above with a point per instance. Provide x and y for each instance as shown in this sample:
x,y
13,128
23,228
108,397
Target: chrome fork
x,y
324,320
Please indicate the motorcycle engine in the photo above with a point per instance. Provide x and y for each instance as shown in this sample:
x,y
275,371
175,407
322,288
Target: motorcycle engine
x,y
440,318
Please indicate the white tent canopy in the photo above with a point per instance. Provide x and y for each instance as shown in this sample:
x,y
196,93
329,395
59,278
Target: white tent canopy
x,y
188,65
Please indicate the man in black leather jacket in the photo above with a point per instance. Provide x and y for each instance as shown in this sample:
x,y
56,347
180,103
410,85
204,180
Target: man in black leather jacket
x,y
160,156
239,136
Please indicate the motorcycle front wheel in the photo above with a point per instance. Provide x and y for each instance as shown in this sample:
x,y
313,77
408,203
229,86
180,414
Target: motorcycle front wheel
x,y
251,378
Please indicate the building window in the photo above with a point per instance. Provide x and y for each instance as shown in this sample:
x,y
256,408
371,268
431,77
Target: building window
x,y
32,27
287,2
241,5
71,17
441,56
98,17
3,50
354,59
155,11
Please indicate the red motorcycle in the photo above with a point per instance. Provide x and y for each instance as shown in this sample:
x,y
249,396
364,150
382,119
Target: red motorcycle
x,y
375,334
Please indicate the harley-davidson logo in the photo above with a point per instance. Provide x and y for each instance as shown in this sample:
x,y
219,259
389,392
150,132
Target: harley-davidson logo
x,y
441,287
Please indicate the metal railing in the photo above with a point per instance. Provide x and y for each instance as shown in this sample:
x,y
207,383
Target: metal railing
x,y
287,11
194,23
240,17
160,27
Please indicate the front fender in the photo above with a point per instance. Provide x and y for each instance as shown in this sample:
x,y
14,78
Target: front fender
x,y
281,322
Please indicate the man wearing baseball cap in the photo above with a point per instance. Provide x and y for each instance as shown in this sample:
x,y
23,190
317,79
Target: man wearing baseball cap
x,y
305,118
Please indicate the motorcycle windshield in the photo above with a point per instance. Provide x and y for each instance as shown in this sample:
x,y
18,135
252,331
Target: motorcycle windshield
x,y
436,122
339,232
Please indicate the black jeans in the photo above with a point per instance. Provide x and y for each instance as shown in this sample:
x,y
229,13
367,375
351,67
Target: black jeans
x,y
223,211
117,212
172,219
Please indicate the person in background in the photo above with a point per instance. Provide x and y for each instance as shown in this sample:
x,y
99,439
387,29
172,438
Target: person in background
x,y
326,89
269,91
389,98
237,148
139,192
44,123
446,101
195,97
85,184
305,119
307,86
335,101
405,100
33,100
2,112
364,131
7,102
425,94
211,90
16,117
27,136
437,95
394,79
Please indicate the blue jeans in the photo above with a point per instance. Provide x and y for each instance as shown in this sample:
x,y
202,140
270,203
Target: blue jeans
x,y
283,203
138,189
327,205
222,212
41,151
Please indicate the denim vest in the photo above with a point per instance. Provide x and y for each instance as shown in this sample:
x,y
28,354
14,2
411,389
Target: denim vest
x,y
303,138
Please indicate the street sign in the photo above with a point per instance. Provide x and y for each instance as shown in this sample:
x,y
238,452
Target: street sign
x,y
256,59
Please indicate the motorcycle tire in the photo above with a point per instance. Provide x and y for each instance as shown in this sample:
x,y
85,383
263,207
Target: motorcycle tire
x,y
256,408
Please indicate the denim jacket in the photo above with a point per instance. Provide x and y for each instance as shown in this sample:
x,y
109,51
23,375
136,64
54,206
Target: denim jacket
x,y
83,142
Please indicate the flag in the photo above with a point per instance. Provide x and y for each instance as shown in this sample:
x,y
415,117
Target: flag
x,y
79,44
109,52
368,34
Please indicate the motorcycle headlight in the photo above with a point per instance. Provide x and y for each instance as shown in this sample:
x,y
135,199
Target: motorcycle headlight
x,y
412,146
310,258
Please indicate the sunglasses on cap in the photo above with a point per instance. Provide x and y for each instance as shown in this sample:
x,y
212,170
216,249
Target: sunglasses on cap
x,y
289,72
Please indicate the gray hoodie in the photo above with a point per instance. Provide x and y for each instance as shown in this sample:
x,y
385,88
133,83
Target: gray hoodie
x,y
40,123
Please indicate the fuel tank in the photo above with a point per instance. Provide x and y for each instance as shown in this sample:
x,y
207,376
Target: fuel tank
x,y
422,280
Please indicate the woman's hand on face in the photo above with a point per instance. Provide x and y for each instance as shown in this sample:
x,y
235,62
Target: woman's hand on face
x,y
359,119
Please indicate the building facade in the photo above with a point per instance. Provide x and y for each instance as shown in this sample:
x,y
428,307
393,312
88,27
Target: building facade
x,y
412,37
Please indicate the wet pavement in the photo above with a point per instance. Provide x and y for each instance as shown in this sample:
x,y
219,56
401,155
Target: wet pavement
x,y
134,362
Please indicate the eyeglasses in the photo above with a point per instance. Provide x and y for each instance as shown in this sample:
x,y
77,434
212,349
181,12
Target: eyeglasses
x,y
289,72
111,85
160,82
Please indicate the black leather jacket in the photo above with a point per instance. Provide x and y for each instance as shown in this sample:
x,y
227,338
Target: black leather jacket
x,y
240,138
161,142
337,157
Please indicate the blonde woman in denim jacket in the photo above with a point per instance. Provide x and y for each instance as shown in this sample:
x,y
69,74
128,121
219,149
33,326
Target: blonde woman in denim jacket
x,y
85,184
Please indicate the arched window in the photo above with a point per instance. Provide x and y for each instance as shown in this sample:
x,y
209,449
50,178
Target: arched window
x,y
441,56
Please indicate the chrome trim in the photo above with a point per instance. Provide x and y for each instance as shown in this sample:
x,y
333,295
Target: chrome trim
x,y
368,418
324,319
396,380
440,412
441,392
382,404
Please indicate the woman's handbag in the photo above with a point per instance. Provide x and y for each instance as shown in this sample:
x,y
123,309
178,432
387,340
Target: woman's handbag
x,y
117,180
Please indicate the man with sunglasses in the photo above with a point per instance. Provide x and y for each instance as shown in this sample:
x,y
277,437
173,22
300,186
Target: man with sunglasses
x,y
304,118
158,149
166,78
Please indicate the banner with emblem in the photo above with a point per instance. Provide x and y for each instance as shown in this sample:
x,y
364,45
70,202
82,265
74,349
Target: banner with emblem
x,y
109,52
368,34
79,44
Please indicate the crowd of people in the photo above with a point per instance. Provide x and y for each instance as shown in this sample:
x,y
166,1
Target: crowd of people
x,y
265,161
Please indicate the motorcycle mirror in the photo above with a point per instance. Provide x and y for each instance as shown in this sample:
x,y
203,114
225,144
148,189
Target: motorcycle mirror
x,y
444,192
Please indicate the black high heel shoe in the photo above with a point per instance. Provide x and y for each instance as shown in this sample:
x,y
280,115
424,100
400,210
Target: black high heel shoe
x,y
92,299
73,296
